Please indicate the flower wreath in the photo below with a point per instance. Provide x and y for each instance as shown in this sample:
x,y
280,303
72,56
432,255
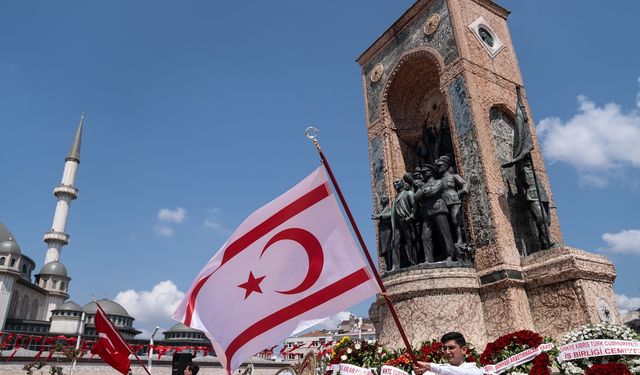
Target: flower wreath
x,y
363,354
612,364
514,343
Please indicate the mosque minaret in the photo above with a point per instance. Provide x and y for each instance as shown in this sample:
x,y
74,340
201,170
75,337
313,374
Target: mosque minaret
x,y
53,276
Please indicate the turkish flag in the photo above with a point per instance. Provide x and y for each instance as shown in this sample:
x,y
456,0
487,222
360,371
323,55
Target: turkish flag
x,y
110,346
289,265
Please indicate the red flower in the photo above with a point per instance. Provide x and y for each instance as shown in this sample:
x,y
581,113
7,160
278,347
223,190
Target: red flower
x,y
523,339
541,365
608,369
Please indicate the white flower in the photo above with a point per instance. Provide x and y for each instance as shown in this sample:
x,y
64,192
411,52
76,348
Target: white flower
x,y
358,346
349,351
343,357
380,349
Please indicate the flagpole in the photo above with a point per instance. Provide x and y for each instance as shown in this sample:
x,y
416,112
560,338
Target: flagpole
x,y
312,134
114,328
80,331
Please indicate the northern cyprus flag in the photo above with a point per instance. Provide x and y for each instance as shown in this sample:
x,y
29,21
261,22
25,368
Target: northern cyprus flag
x,y
292,261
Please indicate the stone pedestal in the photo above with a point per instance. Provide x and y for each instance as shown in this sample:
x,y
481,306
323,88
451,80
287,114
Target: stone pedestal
x,y
553,292
568,288
430,301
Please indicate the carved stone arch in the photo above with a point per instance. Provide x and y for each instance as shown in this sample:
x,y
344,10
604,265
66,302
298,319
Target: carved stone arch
x,y
413,107
422,52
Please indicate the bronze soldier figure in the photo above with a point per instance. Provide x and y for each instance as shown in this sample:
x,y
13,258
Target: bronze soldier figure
x,y
403,237
537,199
455,188
384,232
430,196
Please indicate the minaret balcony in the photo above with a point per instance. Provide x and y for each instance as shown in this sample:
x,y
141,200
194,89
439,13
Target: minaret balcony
x,y
65,190
53,236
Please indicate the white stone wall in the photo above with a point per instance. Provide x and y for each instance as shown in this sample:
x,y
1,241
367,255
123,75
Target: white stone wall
x,y
32,295
6,286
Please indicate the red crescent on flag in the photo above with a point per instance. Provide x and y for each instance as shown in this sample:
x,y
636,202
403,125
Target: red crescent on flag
x,y
294,208
314,252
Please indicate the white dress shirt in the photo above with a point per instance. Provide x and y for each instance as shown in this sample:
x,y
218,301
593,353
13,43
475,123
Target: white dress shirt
x,y
467,368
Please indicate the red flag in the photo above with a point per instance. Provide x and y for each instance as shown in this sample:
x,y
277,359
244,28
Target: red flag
x,y
110,346
292,262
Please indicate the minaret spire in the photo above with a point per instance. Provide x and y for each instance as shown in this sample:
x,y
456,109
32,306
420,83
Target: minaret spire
x,y
53,276
74,151
65,192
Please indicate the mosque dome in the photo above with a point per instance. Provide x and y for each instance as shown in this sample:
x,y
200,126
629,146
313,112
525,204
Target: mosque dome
x,y
10,247
54,268
180,332
8,244
179,327
109,307
4,233
70,306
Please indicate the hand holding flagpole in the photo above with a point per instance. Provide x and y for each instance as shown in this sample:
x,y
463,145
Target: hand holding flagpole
x,y
312,133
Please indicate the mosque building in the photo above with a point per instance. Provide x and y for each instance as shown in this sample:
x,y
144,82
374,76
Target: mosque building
x,y
38,303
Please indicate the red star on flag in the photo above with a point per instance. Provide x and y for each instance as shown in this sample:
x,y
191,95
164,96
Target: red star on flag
x,y
252,285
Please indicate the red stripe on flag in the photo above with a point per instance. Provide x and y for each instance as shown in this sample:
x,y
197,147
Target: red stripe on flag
x,y
298,308
292,209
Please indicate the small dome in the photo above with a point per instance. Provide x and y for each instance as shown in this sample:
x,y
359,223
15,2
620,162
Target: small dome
x,y
4,233
8,244
182,328
69,306
109,307
10,247
54,268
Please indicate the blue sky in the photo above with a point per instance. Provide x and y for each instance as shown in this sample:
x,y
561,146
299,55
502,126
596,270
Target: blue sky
x,y
196,112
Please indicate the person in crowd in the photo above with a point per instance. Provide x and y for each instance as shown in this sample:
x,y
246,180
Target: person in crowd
x,y
191,369
455,350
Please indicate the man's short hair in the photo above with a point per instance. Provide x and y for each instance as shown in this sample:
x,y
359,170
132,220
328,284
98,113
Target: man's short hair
x,y
194,368
455,336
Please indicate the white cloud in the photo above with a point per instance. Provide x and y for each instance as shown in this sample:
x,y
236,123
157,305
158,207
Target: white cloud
x,y
172,216
595,138
214,222
163,230
593,181
626,304
597,141
626,241
155,305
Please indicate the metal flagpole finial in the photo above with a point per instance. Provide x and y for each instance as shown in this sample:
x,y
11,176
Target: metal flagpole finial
x,y
312,133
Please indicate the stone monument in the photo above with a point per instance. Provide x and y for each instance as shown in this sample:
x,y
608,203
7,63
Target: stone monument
x,y
441,90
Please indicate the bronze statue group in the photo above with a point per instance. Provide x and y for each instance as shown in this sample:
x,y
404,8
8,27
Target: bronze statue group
x,y
424,222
